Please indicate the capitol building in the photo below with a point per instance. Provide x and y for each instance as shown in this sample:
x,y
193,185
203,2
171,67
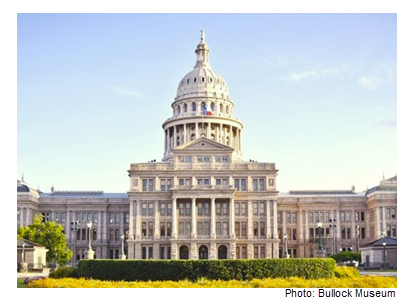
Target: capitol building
x,y
204,201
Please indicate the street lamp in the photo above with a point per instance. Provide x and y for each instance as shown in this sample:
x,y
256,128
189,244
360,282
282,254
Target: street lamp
x,y
73,229
340,255
89,226
332,225
122,256
23,253
286,246
384,254
320,243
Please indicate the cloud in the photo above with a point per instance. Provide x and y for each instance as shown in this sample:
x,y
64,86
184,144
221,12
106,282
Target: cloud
x,y
314,74
129,92
369,82
302,76
390,123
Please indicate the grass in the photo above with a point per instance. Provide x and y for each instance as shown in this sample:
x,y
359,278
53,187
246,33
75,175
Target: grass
x,y
20,283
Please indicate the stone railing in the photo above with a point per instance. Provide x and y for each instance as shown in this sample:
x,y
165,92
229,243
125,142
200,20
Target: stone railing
x,y
243,166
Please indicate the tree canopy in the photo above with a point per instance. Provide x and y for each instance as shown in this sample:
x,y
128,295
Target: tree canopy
x,y
50,235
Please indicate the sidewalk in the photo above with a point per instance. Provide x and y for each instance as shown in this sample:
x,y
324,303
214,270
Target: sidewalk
x,y
380,273
31,274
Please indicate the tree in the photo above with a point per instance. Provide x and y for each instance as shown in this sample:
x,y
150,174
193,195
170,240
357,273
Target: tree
x,y
50,235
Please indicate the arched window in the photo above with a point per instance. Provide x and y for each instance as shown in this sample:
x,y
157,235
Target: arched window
x,y
178,111
221,108
193,107
203,252
212,106
185,108
183,252
227,109
222,252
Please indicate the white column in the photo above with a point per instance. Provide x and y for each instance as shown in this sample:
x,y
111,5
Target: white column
x,y
184,133
268,229
230,136
383,218
138,221
275,231
174,136
194,219
156,220
131,224
213,219
174,219
250,220
221,133
196,132
232,233
99,226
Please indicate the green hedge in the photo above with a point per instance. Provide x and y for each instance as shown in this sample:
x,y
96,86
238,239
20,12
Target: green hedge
x,y
176,270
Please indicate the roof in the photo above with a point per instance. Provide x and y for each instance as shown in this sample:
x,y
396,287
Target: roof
x,y
379,243
97,194
338,193
28,244
389,184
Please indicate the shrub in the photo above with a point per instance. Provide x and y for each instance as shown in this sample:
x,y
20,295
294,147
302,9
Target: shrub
x,y
346,256
64,272
193,270
346,272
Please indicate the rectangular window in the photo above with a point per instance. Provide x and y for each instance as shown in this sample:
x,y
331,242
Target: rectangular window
x,y
218,228
162,229
206,208
200,228
255,184
144,209
262,228
236,208
255,208
150,209
162,184
218,209
261,184
199,209
188,209
243,209
293,214
243,229
150,229
261,208
181,228
181,209
237,228
225,209
162,209
144,229
169,228
256,229
225,228
169,209
206,228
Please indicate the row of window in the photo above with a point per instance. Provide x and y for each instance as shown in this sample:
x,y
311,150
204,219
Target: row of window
x,y
324,217
240,184
203,159
185,108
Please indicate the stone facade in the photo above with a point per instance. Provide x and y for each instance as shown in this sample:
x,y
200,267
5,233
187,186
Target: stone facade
x,y
203,201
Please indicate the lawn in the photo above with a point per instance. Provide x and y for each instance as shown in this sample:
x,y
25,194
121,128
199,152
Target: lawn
x,y
20,283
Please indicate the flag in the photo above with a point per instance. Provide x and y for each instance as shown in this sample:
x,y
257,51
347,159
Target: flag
x,y
205,111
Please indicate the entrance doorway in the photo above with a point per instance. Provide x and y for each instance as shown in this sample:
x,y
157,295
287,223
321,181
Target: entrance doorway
x,y
203,252
222,252
183,252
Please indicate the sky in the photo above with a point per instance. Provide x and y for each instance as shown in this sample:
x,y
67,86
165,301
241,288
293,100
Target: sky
x,y
317,94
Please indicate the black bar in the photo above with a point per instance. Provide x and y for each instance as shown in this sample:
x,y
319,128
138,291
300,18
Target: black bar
x,y
330,295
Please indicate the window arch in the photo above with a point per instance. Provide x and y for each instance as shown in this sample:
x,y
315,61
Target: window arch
x,y
221,108
185,107
193,106
178,110
212,106
227,109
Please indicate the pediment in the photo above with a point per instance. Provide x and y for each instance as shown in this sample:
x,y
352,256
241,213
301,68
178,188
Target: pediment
x,y
203,144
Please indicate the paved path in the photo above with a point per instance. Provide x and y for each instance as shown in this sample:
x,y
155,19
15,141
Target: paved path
x,y
380,273
30,274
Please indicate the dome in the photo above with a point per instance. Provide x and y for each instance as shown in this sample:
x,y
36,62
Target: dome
x,y
202,81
